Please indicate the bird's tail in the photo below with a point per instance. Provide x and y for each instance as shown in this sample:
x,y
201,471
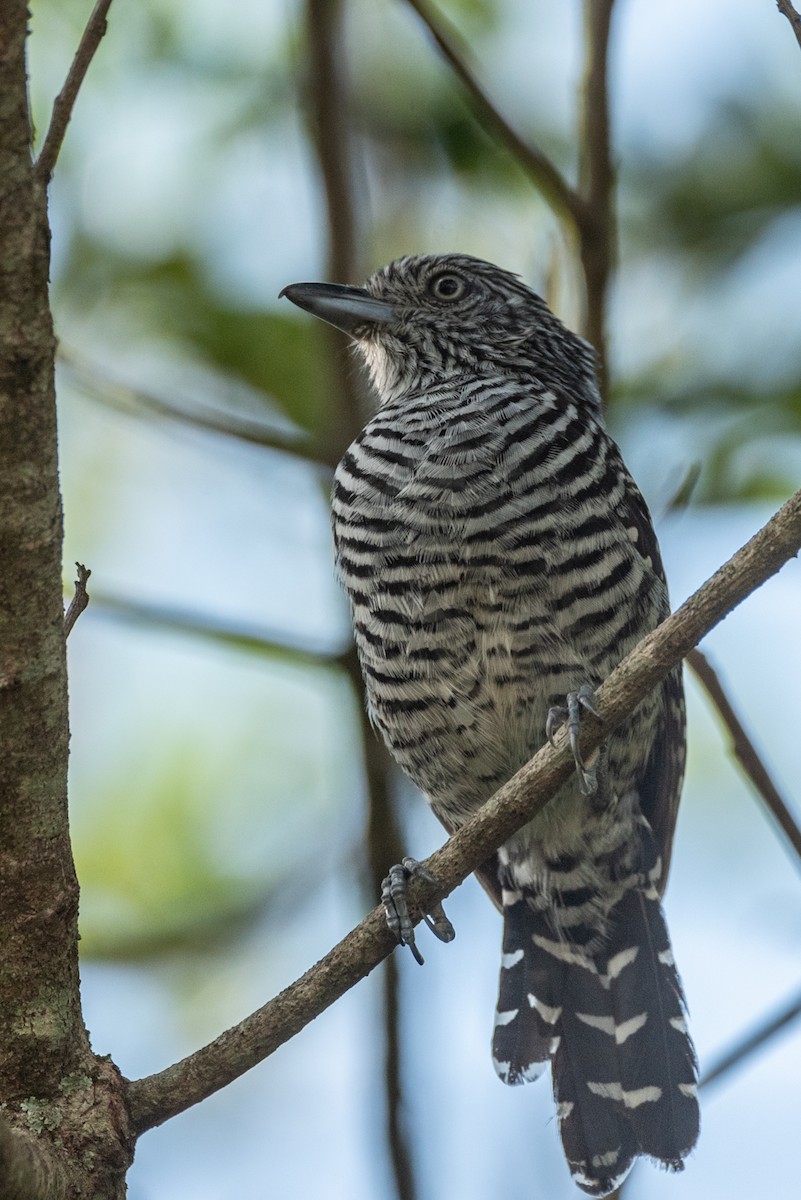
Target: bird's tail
x,y
612,1021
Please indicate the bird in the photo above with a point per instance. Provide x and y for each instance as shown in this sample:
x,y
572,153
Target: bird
x,y
500,561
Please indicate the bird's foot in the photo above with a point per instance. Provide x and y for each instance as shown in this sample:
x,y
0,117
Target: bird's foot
x,y
394,899
570,714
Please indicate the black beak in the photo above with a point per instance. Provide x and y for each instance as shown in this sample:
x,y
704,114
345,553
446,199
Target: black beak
x,y
346,308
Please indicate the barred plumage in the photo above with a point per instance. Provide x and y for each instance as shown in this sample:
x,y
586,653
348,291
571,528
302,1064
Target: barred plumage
x,y
498,556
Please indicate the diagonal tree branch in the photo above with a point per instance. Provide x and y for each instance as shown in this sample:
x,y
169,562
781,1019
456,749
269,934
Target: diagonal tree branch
x,y
744,750
561,197
65,101
156,1098
785,7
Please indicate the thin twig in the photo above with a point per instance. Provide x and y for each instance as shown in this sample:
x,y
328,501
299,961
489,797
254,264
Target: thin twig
x,y
753,1041
65,101
784,6
562,198
79,600
745,751
156,1098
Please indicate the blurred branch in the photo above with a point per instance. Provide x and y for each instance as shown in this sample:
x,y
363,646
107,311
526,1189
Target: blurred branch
x,y
383,846
65,101
236,637
587,210
751,1042
156,1098
91,380
558,193
784,6
744,750
333,142
596,180
79,600
329,112
397,1132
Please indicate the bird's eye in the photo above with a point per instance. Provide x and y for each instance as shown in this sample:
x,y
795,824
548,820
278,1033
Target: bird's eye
x,y
447,286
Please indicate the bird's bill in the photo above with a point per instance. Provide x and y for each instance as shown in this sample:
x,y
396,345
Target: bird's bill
x,y
346,308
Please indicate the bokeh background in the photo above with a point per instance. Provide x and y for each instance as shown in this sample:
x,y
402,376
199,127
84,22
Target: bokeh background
x,y
230,811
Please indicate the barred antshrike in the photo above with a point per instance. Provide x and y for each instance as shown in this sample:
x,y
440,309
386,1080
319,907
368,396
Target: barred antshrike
x,y
500,561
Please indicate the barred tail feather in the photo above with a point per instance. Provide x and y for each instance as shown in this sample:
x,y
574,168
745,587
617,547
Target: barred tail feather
x,y
599,1142
529,1002
613,1024
654,1047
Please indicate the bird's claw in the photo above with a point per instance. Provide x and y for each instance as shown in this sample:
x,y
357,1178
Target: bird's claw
x,y
396,907
569,713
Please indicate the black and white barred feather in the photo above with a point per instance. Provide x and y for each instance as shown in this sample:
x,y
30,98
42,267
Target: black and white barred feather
x,y
497,555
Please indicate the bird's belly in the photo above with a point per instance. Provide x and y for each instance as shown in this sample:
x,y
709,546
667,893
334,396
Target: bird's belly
x,y
459,684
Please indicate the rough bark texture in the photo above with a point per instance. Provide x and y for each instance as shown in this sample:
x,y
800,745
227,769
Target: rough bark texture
x,y
53,1090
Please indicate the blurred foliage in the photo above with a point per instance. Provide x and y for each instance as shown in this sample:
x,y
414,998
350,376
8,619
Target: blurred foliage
x,y
184,898
741,176
724,217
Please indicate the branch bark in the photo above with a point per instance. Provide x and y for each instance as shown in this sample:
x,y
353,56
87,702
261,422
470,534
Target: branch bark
x,y
156,1098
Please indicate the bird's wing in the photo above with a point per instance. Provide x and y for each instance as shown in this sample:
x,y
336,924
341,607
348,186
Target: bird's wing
x,y
660,787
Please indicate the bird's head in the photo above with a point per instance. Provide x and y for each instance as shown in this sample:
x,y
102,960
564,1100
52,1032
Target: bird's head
x,y
424,321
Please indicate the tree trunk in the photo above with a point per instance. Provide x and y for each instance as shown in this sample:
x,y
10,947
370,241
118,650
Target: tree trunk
x,y
51,1086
